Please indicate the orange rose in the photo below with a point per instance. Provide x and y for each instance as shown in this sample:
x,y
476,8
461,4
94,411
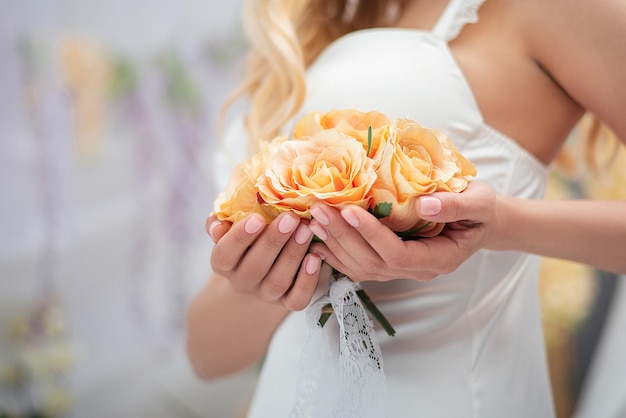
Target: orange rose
x,y
455,170
350,122
422,161
327,166
240,198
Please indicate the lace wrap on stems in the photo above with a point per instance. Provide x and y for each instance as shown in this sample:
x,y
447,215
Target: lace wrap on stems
x,y
356,386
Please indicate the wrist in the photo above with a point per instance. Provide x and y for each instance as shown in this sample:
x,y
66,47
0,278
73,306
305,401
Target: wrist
x,y
499,238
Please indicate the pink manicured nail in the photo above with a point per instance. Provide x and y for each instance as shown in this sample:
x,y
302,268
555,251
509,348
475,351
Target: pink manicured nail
x,y
319,214
320,255
287,224
303,234
212,227
253,225
312,265
350,217
319,231
429,205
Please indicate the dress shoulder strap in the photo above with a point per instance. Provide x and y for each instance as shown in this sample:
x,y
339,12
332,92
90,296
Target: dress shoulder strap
x,y
457,14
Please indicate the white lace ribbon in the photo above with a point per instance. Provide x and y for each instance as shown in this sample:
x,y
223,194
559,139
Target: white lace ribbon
x,y
353,386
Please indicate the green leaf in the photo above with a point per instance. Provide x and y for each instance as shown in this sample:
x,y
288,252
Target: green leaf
x,y
369,140
382,209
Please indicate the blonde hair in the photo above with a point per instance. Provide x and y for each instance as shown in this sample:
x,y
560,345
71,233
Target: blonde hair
x,y
593,148
285,38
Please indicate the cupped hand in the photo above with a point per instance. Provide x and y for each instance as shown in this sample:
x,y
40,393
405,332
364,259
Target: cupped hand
x,y
360,246
270,261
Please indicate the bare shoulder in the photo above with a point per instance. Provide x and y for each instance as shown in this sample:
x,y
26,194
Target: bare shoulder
x,y
581,44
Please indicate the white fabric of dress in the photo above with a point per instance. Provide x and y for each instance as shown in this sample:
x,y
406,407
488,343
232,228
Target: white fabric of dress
x,y
470,343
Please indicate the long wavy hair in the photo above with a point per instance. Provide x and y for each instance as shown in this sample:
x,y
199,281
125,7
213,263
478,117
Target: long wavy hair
x,y
285,37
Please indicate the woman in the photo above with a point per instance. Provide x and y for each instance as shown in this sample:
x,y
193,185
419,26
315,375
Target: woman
x,y
507,81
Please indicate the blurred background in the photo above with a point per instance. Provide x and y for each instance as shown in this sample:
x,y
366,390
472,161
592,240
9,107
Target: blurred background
x,y
108,115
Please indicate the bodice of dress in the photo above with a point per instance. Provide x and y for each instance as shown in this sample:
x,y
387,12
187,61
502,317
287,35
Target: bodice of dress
x,y
468,344
411,73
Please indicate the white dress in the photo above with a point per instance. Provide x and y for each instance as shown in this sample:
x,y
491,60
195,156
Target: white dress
x,y
468,344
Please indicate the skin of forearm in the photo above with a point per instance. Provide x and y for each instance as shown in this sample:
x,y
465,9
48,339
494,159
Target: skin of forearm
x,y
227,331
589,232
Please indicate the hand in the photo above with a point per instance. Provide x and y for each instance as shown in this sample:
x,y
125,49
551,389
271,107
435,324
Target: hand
x,y
264,259
360,246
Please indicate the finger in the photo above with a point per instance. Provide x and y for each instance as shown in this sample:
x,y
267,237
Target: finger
x,y
474,204
387,245
341,238
284,270
436,256
420,260
305,284
216,228
329,258
231,247
259,259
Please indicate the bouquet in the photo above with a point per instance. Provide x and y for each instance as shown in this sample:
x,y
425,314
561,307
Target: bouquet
x,y
349,157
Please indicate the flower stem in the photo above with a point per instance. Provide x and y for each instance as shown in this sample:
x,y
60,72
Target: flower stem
x,y
327,311
370,306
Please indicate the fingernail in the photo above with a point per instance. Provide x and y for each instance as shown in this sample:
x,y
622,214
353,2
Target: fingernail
x,y
320,255
350,217
253,225
212,227
287,224
319,231
312,265
303,234
319,214
429,205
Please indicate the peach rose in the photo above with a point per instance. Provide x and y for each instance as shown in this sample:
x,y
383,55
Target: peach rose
x,y
240,198
422,161
327,166
350,122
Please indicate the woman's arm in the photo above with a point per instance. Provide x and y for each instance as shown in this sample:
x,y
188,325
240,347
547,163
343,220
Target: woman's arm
x,y
262,272
590,232
227,331
580,44
357,244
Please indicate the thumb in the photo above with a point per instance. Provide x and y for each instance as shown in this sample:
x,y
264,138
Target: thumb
x,y
474,204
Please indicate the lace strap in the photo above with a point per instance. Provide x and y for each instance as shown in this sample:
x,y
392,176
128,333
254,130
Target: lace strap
x,y
456,16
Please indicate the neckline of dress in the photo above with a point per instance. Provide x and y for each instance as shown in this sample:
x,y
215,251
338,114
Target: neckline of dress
x,y
457,68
